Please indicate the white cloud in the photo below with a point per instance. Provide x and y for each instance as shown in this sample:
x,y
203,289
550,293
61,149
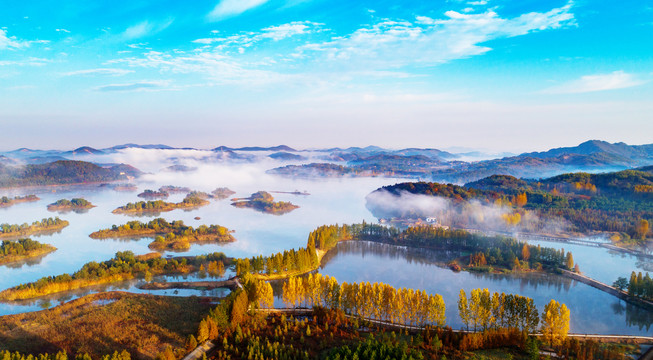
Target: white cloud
x,y
31,61
99,71
145,28
288,30
228,8
11,42
598,82
428,41
63,30
219,68
275,33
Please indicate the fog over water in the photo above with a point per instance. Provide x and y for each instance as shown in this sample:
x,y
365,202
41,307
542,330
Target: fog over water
x,y
332,200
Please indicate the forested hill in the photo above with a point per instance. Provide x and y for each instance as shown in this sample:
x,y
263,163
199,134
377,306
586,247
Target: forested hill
x,y
63,172
617,201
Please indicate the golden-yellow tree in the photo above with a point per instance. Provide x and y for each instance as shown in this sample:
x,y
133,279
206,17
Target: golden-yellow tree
x,y
555,322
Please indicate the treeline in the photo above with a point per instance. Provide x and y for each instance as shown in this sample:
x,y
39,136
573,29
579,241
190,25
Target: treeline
x,y
640,286
36,227
160,205
484,310
376,301
21,247
125,265
63,172
172,235
7,201
615,202
7,355
486,251
75,203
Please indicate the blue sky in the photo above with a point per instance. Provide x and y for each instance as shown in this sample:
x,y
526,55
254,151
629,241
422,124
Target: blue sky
x,y
505,75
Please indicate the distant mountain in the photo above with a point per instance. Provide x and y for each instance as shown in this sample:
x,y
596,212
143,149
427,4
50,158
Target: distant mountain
x,y
180,168
614,202
64,172
281,155
136,146
84,150
273,148
615,151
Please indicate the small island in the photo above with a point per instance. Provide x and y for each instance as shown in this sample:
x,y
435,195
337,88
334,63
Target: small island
x,y
22,249
76,204
124,266
171,189
169,235
222,193
7,201
44,226
264,202
157,206
152,194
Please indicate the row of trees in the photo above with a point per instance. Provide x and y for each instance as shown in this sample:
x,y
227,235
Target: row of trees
x,y
24,229
484,310
7,355
641,286
161,226
160,205
376,301
125,265
6,201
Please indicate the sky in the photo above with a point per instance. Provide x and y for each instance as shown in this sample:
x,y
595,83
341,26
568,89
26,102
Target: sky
x,y
494,74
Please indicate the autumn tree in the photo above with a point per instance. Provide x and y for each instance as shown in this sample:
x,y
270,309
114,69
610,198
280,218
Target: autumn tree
x,y
525,253
555,322
569,261
642,229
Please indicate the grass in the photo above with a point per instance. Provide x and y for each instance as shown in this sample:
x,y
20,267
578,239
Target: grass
x,y
103,323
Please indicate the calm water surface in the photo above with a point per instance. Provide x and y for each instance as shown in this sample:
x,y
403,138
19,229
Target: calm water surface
x,y
331,201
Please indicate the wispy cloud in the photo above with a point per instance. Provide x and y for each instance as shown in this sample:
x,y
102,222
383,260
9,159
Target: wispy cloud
x,y
136,86
11,42
99,71
145,28
219,68
430,41
599,82
63,30
228,8
30,61
275,33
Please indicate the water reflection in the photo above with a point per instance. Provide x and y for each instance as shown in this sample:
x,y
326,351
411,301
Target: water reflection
x,y
592,310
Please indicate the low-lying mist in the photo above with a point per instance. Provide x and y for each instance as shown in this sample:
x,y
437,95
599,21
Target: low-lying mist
x,y
465,214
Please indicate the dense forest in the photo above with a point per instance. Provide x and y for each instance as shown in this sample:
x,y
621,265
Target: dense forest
x,y
264,202
7,201
63,172
11,251
168,235
37,227
619,202
125,265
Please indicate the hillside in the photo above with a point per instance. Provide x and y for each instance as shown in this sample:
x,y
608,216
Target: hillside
x,y
619,202
63,172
